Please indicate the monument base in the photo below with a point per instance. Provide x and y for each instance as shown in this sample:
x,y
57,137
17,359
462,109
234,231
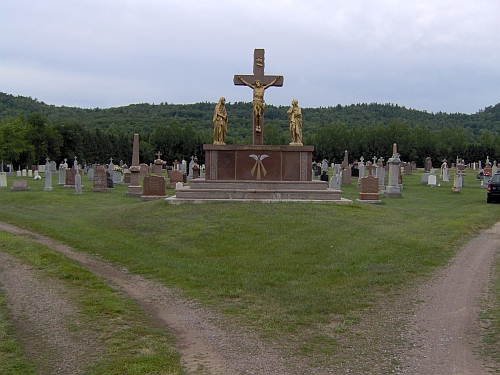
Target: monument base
x,y
392,192
147,198
257,191
369,201
134,192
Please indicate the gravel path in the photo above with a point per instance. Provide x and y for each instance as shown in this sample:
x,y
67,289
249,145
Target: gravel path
x,y
46,320
443,328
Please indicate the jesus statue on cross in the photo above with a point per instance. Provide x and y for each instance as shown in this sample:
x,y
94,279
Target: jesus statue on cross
x,y
258,82
258,99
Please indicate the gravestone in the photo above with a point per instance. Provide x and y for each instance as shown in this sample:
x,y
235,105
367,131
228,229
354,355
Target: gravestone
x,y
196,171
158,165
90,174
144,170
428,164
191,165
126,178
494,169
154,188
446,177
324,166
487,169
70,178
30,173
109,181
3,179
117,177
380,175
183,166
335,182
24,172
345,162
408,169
369,187
258,82
52,166
346,176
62,174
393,189
48,177
485,182
9,170
175,177
134,190
361,171
111,166
18,172
78,182
19,185
432,179
100,180
337,169
457,182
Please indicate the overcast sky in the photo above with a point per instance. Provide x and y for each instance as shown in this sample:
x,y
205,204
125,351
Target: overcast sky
x,y
434,55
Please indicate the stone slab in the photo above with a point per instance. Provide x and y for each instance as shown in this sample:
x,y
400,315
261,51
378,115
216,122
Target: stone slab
x,y
265,191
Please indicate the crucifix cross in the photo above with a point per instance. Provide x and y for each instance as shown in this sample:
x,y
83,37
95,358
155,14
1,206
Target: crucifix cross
x,y
158,154
259,82
369,167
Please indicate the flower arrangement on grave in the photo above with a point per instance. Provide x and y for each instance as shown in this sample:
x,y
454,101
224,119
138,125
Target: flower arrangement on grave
x,y
118,169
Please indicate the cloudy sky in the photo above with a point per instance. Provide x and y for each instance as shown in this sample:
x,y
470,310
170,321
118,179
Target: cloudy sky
x,y
434,55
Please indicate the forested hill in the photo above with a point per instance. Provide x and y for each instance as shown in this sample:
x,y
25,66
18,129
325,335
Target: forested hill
x,y
31,130
144,118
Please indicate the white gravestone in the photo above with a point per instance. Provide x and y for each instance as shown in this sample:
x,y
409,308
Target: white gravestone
x,y
48,180
3,179
78,183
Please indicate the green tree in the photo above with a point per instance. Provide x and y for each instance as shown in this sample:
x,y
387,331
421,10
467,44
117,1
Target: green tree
x,y
15,147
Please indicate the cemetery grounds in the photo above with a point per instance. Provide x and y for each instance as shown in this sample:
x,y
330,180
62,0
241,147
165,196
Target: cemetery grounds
x,y
285,288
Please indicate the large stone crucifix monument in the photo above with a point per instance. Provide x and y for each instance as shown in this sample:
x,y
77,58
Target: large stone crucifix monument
x,y
257,172
259,82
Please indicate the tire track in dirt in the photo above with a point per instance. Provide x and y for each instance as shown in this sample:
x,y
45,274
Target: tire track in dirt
x,y
42,316
205,347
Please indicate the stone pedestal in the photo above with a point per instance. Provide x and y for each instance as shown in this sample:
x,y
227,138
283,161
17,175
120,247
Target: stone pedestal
x,y
135,188
393,189
257,173
264,163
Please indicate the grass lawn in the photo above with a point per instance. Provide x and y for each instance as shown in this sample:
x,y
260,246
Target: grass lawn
x,y
276,268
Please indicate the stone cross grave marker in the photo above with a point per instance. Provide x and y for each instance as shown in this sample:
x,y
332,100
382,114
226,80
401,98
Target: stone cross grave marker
x,y
259,82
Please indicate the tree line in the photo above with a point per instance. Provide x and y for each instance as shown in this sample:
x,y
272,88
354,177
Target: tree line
x,y
31,130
